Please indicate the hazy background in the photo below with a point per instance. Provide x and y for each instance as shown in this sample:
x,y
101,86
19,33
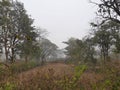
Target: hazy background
x,y
61,18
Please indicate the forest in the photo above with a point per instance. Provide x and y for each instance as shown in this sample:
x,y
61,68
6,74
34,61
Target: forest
x,y
30,61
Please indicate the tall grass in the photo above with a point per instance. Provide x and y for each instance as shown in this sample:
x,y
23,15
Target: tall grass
x,y
81,78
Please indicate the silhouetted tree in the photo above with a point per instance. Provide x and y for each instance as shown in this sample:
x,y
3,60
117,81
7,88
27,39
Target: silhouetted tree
x,y
108,10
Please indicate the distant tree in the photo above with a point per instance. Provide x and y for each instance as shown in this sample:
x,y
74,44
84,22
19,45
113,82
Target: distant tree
x,y
90,52
48,49
71,48
80,50
103,38
42,33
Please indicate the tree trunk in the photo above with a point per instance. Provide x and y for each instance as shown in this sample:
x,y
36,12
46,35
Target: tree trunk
x,y
13,55
6,52
26,59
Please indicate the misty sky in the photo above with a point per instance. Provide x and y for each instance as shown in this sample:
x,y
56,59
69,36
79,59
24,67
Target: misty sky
x,y
61,18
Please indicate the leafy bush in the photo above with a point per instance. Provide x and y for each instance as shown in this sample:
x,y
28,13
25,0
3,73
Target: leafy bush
x,y
8,86
111,78
71,83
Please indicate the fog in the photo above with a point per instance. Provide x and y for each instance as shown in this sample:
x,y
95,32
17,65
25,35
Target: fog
x,y
61,18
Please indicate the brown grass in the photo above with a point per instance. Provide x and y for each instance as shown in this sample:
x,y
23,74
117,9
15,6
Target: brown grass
x,y
59,76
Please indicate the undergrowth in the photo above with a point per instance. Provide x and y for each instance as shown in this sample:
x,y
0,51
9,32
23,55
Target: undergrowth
x,y
81,78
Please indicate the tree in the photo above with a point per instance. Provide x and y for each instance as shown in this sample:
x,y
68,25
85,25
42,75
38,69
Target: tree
x,y
16,27
48,49
90,52
80,50
103,38
21,28
107,37
5,25
72,48
115,32
109,10
29,50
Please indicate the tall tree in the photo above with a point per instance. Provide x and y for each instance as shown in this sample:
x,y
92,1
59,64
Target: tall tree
x,y
103,38
16,27
108,10
5,25
115,32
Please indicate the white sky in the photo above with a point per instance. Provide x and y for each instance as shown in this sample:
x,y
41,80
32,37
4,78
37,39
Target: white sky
x,y
61,18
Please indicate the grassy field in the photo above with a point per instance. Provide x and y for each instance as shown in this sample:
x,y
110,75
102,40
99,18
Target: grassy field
x,y
59,76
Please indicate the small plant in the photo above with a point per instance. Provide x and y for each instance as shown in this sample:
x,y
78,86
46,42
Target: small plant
x,y
70,83
9,86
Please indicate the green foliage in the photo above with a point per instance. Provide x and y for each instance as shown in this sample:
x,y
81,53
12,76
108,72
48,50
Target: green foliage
x,y
81,50
103,38
16,30
71,83
110,80
9,86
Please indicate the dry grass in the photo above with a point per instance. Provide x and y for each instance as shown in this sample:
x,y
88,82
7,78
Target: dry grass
x,y
60,76
56,69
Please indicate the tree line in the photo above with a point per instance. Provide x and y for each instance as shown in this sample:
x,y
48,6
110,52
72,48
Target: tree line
x,y
103,41
19,37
